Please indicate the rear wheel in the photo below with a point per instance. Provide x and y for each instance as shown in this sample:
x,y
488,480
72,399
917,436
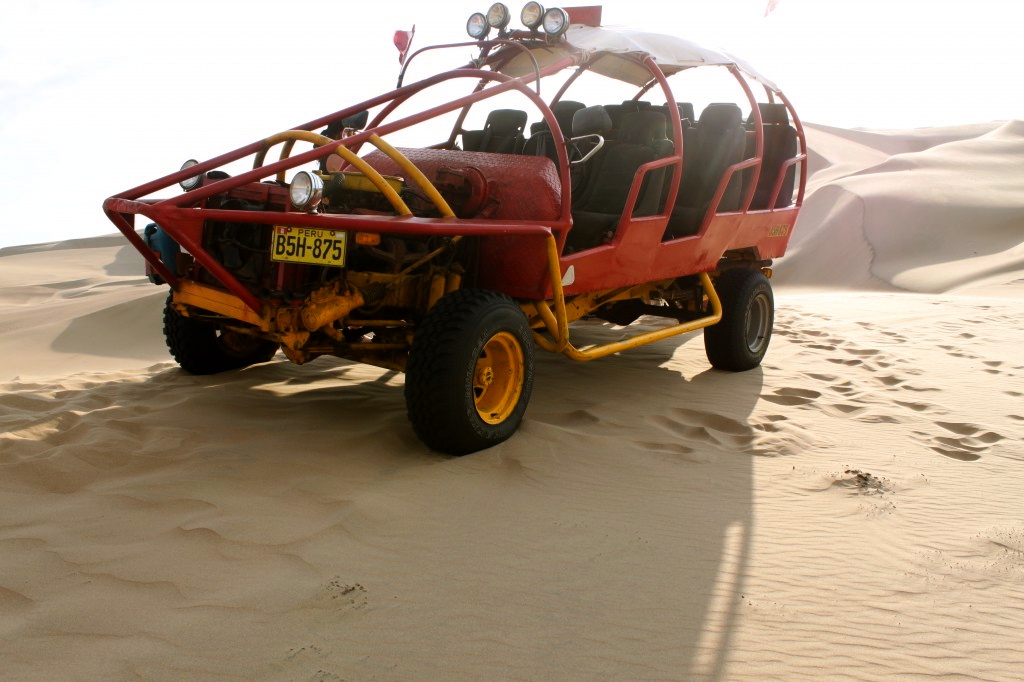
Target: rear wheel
x,y
203,347
740,340
470,372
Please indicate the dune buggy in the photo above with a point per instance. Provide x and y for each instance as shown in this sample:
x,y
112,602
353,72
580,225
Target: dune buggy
x,y
452,257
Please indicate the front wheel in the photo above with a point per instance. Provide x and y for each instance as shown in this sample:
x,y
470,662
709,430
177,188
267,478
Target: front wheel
x,y
740,340
202,347
470,372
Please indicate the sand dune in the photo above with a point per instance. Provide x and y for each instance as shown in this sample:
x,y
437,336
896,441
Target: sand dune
x,y
930,211
851,509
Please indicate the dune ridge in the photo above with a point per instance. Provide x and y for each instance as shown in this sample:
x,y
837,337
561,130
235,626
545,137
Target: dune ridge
x,y
929,212
849,510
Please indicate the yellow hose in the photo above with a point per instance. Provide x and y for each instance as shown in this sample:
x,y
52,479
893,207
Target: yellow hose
x,y
415,173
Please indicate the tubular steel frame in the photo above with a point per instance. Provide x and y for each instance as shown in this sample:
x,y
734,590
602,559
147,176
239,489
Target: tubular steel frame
x,y
637,246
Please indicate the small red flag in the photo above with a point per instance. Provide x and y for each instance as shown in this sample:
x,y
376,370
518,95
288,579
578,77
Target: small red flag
x,y
403,40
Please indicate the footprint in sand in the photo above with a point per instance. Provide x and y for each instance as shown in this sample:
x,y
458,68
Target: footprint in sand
x,y
880,419
674,451
844,409
895,336
792,396
918,389
972,430
957,352
968,444
704,427
848,363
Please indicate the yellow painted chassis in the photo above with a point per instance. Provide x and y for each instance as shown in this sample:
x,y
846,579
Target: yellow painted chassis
x,y
293,327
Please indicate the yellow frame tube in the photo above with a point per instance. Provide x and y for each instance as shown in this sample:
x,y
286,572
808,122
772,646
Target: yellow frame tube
x,y
289,137
409,167
557,321
657,334
217,301
376,178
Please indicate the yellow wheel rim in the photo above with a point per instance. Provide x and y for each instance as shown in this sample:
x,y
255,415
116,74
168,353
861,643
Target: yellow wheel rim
x,y
498,378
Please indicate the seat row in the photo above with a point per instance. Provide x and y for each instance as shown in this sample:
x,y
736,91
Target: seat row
x,y
635,133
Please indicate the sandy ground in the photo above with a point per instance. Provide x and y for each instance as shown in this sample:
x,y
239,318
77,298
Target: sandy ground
x,y
850,510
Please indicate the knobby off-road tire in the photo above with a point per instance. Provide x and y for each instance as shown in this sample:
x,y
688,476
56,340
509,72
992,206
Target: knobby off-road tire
x,y
470,372
202,347
739,341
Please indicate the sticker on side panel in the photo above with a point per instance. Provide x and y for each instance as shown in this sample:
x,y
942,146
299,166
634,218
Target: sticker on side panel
x,y
570,276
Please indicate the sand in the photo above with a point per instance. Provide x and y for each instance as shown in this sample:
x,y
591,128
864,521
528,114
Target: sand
x,y
850,510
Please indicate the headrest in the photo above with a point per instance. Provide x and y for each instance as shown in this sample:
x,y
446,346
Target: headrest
x,y
686,111
615,112
635,105
720,115
506,121
564,111
591,121
642,127
771,113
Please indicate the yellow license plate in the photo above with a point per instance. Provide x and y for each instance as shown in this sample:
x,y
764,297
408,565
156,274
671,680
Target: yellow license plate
x,y
310,245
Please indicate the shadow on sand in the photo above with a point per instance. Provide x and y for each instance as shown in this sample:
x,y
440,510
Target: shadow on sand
x,y
608,539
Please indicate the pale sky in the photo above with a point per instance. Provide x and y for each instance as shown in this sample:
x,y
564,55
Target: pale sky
x,y
97,96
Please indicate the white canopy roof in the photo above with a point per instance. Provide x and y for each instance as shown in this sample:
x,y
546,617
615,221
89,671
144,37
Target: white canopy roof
x,y
625,48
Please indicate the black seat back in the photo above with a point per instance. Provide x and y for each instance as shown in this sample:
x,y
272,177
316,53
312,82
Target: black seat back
x,y
618,111
780,144
600,205
588,123
502,133
541,142
686,117
647,128
717,142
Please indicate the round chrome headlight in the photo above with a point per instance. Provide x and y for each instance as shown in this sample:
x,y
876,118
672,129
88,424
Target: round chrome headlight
x,y
189,184
532,15
305,191
477,26
498,16
556,21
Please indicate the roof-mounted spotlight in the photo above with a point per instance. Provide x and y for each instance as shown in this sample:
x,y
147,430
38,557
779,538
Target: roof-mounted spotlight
x,y
477,26
556,22
189,184
532,15
498,16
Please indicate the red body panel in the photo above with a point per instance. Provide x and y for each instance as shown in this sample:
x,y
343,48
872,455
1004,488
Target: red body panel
x,y
519,187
